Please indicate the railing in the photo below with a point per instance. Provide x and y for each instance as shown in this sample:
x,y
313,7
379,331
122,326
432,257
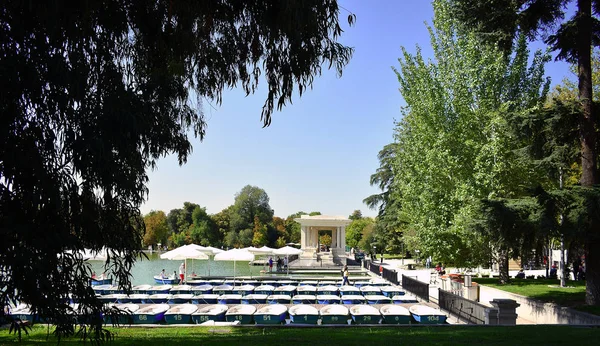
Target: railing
x,y
388,274
416,287
462,307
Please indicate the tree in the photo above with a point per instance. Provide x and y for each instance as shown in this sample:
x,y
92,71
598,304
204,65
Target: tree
x,y
325,239
502,21
260,237
250,202
357,214
96,92
203,230
355,230
454,145
221,221
157,229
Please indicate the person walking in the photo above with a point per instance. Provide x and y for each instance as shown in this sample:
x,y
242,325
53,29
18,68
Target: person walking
x,y
270,264
345,274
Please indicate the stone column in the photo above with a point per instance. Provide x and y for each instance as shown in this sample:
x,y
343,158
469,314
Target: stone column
x,y
334,242
506,311
343,238
303,237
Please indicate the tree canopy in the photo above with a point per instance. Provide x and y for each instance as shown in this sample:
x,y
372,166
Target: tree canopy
x,y
94,93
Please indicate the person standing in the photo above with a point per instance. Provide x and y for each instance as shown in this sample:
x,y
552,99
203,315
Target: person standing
x,y
270,264
181,272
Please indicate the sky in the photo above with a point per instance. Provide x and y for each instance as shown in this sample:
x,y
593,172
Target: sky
x,y
319,152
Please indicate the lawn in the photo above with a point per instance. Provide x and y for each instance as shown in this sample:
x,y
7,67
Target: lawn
x,y
415,335
546,290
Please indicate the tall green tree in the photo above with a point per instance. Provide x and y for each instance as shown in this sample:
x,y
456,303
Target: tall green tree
x,y
250,202
501,21
157,229
94,93
454,146
203,230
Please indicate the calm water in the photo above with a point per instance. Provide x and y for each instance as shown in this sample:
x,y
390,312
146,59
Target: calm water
x,y
144,270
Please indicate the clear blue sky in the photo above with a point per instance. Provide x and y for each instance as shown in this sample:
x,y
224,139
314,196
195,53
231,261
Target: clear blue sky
x,y
319,152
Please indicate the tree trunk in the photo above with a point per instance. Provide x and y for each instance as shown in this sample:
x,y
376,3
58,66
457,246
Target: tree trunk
x,y
503,266
588,141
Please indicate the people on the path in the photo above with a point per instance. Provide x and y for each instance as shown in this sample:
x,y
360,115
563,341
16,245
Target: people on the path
x,y
270,264
279,264
381,270
345,274
428,262
285,263
181,272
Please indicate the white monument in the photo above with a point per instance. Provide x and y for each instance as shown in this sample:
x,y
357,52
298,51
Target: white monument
x,y
309,241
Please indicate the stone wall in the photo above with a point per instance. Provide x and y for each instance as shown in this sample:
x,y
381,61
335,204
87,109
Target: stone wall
x,y
538,312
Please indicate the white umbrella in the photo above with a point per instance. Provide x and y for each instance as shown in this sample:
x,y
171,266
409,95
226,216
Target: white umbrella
x,y
185,252
209,250
265,250
235,255
287,251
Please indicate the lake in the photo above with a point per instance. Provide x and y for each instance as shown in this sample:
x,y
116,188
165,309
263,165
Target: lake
x,y
144,270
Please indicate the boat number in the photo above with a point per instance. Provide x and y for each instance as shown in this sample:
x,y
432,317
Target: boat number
x,y
334,318
203,318
397,318
143,317
367,318
306,318
267,317
238,317
433,318
178,318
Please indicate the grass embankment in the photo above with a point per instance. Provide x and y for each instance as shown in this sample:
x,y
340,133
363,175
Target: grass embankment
x,y
442,335
547,290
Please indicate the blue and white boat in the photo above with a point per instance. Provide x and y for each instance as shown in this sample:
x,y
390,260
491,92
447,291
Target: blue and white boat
x,y
222,289
271,314
141,289
113,298
171,280
309,282
202,289
254,299
307,289
328,283
366,290
196,281
395,314
391,291
139,298
287,289
351,290
126,317
244,289
181,298
287,283
304,299
23,312
379,282
329,289
303,314
181,289
365,314
150,314
113,289
273,283
328,299
279,299
216,282
160,289
427,315
205,299
160,298
98,281
230,299
334,314
405,299
377,299
251,282
210,313
264,289
180,314
101,289
353,299
242,313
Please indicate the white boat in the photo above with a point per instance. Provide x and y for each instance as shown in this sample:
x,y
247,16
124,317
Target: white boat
x,y
254,299
405,299
271,314
377,299
287,289
334,314
424,314
303,314
150,314
202,289
230,299
328,299
347,289
222,289
244,289
353,299
308,282
180,314
365,314
181,298
141,289
307,289
264,289
395,314
329,289
279,299
159,298
366,290
214,312
242,313
160,289
181,289
304,299
327,283
391,291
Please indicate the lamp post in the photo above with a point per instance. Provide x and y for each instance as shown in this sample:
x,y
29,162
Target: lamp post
x,y
374,253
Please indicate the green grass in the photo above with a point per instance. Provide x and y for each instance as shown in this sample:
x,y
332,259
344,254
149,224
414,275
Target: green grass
x,y
546,290
416,335
392,256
